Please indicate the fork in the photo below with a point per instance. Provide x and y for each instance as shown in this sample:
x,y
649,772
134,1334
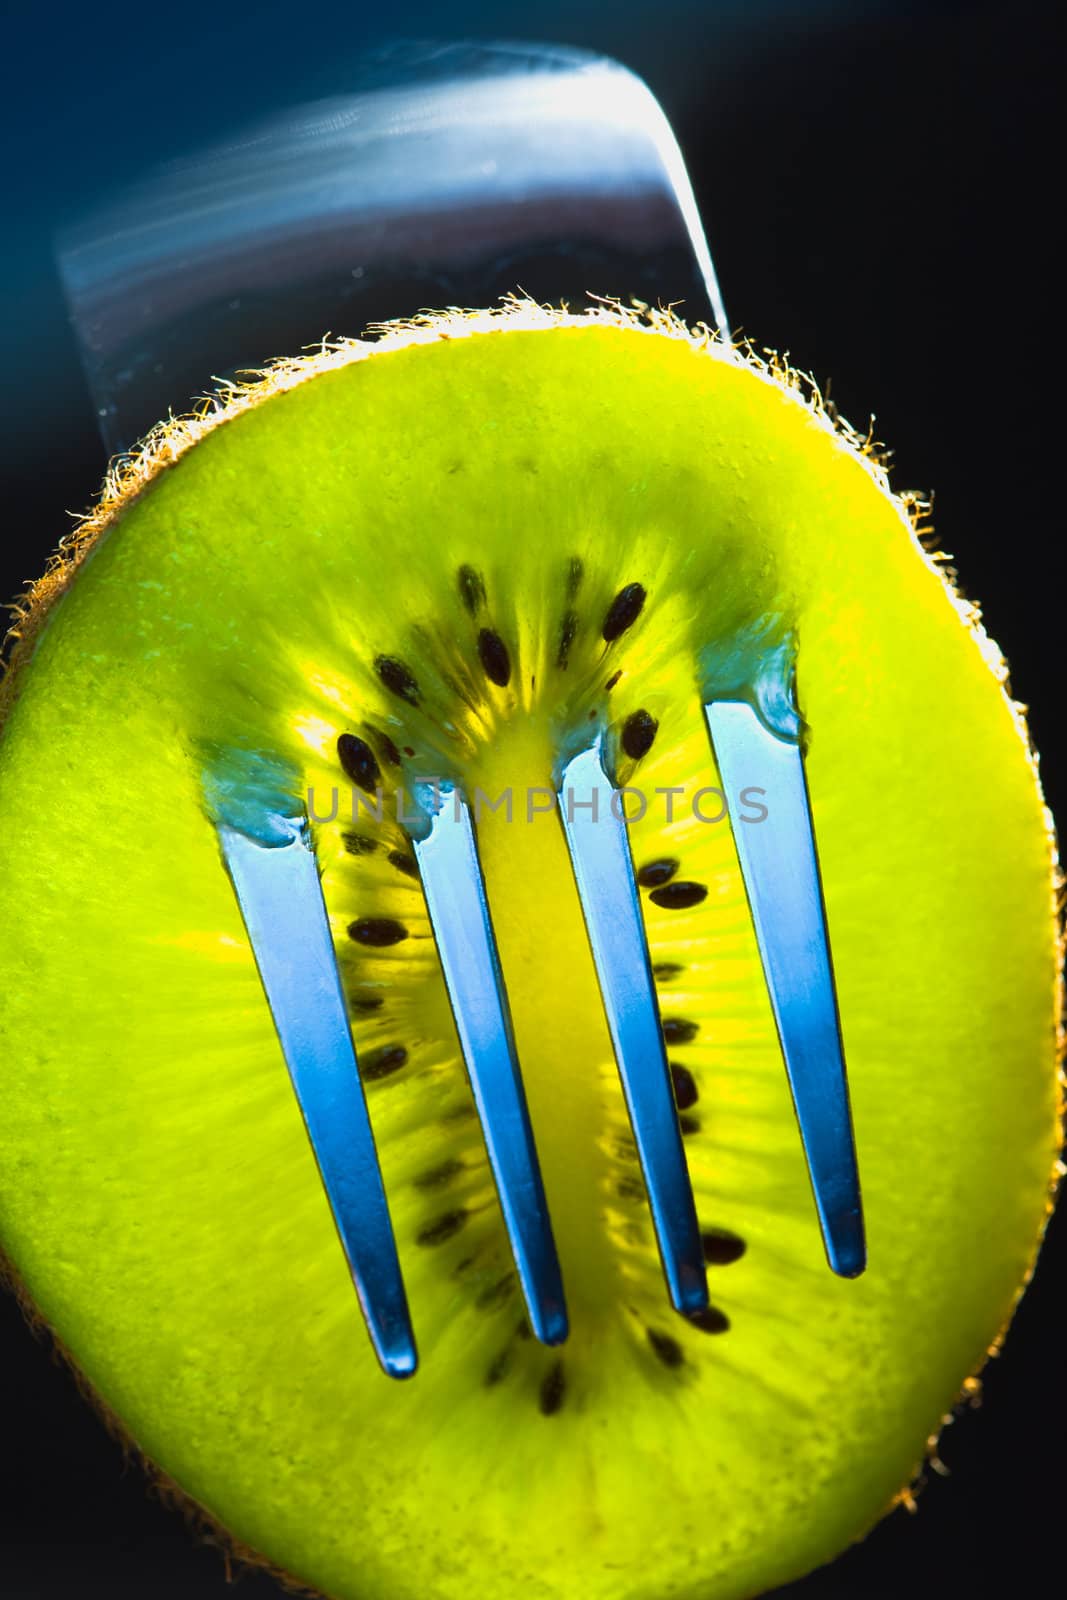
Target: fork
x,y
560,126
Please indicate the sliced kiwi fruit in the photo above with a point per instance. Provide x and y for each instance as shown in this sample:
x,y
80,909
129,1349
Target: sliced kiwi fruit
x,y
453,551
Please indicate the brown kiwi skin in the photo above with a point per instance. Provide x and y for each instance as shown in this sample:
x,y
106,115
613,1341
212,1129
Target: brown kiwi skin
x,y
205,1529
239,1559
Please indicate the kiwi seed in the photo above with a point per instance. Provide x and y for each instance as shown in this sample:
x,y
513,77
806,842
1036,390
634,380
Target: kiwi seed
x,y
359,762
553,1390
493,654
679,896
471,589
377,932
638,733
656,873
624,611
398,678
685,1089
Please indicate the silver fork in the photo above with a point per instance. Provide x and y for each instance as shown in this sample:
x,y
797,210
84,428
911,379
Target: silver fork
x,y
159,286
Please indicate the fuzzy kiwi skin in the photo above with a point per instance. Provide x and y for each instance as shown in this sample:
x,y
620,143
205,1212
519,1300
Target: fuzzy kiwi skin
x,y
130,1147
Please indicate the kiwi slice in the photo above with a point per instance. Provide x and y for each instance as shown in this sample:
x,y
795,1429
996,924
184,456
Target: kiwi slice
x,y
455,551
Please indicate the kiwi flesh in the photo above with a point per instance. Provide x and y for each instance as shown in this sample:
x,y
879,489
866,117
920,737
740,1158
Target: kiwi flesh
x,y
455,552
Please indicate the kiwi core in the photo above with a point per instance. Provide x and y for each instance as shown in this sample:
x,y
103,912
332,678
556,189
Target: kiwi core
x,y
541,935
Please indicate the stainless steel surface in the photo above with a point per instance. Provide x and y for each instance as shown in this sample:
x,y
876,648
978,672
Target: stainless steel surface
x,y
459,914
780,868
592,816
278,890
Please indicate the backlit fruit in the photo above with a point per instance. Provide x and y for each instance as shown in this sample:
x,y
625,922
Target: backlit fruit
x,y
457,552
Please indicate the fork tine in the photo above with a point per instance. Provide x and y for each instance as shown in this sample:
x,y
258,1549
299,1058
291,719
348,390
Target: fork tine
x,y
780,868
280,897
454,888
603,869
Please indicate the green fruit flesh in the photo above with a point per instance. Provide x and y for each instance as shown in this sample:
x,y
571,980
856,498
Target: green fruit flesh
x,y
421,550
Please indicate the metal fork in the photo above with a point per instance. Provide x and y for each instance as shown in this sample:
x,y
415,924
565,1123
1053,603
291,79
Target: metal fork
x,y
156,286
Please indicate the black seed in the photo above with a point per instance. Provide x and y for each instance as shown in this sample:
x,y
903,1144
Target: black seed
x,y
357,844
471,588
664,971
403,863
463,1266
679,896
630,1189
408,751
439,1177
575,574
638,732
497,1367
464,1112
685,1089
655,873
624,610
553,1387
377,931
612,681
710,1320
359,762
398,679
721,1247
677,1031
444,1227
382,1063
567,630
389,750
366,1002
667,1349
688,1125
523,1329
493,654
495,1294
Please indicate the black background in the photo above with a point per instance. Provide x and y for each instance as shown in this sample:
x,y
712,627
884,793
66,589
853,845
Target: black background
x,y
879,188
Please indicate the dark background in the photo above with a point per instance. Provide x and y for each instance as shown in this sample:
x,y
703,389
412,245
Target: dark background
x,y
878,186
